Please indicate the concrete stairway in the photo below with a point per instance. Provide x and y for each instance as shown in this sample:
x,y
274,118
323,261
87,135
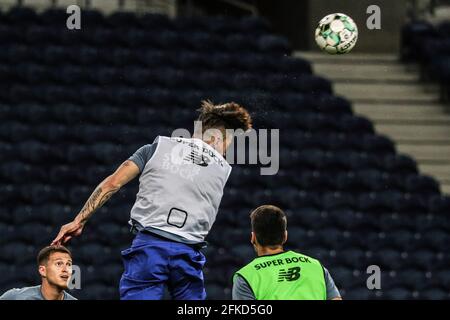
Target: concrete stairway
x,y
390,94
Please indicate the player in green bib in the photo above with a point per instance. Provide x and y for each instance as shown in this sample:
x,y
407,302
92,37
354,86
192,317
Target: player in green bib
x,y
277,274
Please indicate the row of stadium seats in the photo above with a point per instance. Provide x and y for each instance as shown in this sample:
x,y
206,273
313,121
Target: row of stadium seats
x,y
164,40
123,95
331,140
21,17
384,199
313,126
359,181
140,81
95,154
345,219
399,250
28,73
95,56
144,113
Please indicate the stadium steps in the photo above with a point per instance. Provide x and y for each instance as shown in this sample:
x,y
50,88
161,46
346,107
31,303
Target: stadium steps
x,y
390,94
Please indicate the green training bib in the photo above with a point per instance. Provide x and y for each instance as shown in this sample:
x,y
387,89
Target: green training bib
x,y
285,276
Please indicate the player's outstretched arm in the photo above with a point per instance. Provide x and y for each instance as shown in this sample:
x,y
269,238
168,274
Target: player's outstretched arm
x,y
124,174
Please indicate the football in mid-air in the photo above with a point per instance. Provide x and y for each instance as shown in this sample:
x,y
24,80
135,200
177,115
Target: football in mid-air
x,y
336,33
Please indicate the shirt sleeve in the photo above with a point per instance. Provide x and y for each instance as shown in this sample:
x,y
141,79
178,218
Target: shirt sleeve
x,y
143,155
9,295
241,289
332,290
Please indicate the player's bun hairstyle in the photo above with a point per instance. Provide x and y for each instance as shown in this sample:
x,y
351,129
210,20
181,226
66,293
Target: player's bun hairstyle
x,y
229,115
269,224
45,253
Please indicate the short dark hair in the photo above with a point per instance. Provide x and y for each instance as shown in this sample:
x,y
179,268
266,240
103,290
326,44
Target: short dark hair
x,y
45,253
269,224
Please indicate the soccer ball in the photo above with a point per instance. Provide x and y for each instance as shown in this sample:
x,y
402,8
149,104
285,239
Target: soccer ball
x,y
337,33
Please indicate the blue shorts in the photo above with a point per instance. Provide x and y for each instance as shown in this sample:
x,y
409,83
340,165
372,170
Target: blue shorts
x,y
153,262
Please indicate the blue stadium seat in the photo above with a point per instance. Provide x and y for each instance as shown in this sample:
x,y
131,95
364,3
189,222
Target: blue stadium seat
x,y
379,201
123,20
6,152
94,253
53,17
93,18
10,269
401,239
31,114
400,163
434,294
9,34
273,44
262,64
22,16
436,239
241,42
254,25
336,200
298,199
38,35
400,293
7,231
243,253
439,204
351,258
347,181
390,259
54,55
35,152
97,291
314,180
17,172
36,234
53,133
201,42
220,25
17,253
41,194
215,291
155,22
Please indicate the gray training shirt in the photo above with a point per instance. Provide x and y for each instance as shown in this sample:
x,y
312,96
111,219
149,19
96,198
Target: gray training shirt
x,y
29,293
242,291
180,188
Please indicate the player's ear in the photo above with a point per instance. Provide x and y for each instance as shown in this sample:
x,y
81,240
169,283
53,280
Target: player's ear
x,y
285,237
253,238
42,271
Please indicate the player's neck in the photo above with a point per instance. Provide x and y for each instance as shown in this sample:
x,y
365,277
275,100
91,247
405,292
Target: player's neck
x,y
266,251
51,292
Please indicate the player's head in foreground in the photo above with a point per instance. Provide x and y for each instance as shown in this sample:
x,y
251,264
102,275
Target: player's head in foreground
x,y
277,274
55,266
217,119
269,229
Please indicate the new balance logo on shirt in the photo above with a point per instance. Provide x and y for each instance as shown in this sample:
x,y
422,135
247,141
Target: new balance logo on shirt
x,y
292,274
196,158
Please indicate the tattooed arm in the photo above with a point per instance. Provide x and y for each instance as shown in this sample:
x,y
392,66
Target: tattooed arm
x,y
125,173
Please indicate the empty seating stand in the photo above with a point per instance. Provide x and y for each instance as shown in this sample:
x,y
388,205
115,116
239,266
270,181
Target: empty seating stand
x,y
74,104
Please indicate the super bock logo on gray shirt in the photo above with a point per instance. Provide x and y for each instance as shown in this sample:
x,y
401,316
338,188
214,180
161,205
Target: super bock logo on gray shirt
x,y
180,188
